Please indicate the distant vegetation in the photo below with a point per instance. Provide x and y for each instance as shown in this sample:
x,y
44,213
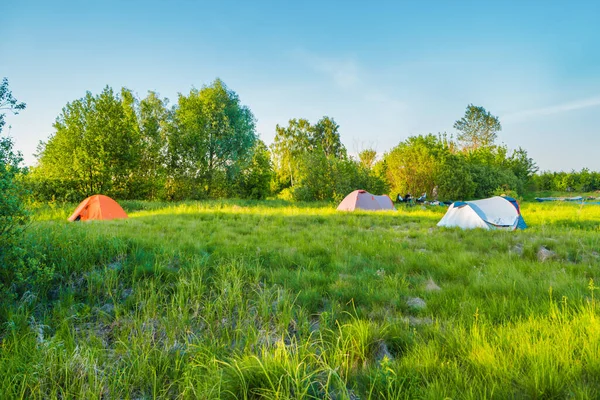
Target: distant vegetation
x,y
206,146
582,181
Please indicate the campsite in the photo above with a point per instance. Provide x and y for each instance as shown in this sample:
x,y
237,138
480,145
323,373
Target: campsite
x,y
316,200
222,298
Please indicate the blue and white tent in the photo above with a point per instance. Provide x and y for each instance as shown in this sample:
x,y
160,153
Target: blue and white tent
x,y
493,213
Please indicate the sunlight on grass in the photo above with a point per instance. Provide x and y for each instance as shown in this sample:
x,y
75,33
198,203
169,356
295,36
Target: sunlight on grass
x,y
243,300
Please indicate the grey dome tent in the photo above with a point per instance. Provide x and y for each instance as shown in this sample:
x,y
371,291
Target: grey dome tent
x,y
497,212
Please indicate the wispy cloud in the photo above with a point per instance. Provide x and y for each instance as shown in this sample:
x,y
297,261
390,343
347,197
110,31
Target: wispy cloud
x,y
557,109
343,71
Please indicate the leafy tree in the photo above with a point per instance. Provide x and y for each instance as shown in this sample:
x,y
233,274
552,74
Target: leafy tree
x,y
155,124
522,165
213,137
294,143
18,267
454,179
325,135
95,146
367,158
477,128
8,102
330,178
255,180
13,215
289,145
414,164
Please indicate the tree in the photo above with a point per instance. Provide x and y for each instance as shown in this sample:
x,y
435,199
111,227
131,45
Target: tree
x,y
478,128
367,158
414,164
522,165
155,122
454,179
214,136
8,102
13,214
95,147
325,135
294,143
289,145
255,180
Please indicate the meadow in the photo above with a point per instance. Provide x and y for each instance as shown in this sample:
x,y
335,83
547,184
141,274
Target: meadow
x,y
250,300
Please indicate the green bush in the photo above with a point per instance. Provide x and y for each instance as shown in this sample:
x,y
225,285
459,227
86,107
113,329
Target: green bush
x,y
20,270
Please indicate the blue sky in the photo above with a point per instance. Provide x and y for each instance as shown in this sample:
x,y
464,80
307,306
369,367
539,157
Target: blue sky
x,y
384,71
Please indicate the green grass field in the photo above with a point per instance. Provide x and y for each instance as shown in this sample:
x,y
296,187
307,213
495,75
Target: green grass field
x,y
249,300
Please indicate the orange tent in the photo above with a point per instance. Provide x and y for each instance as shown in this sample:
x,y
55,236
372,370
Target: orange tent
x,y
97,207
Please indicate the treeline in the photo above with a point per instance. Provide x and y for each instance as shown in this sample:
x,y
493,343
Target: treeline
x,y
436,165
113,143
206,146
582,181
311,163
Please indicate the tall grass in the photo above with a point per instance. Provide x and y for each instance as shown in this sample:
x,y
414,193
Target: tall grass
x,y
247,300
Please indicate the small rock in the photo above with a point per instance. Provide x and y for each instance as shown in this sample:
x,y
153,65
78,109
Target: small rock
x,y
431,286
416,303
431,230
415,321
115,265
126,293
315,325
107,308
544,254
518,249
383,352
352,395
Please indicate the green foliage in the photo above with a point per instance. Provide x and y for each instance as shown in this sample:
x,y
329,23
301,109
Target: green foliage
x,y
289,146
255,179
212,141
301,144
20,268
129,148
582,181
8,102
155,125
325,136
414,165
13,215
96,147
328,178
368,158
421,163
454,180
477,128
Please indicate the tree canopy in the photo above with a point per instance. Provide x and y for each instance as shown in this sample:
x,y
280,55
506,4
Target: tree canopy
x,y
206,146
477,128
